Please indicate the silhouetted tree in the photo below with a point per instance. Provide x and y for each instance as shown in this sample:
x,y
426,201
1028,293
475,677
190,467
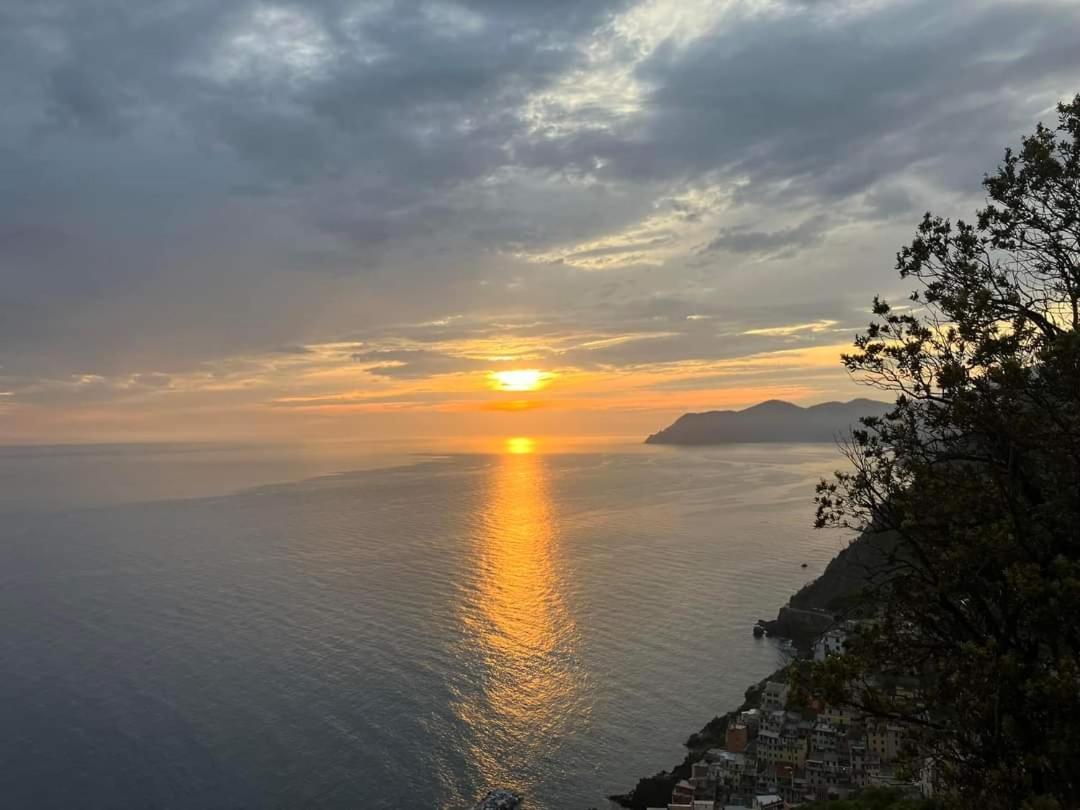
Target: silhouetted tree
x,y
876,799
977,471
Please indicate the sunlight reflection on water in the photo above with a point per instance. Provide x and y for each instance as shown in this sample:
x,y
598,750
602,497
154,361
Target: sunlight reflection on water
x,y
517,622
443,624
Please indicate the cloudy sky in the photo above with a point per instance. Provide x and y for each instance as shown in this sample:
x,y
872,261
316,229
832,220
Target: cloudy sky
x,y
340,217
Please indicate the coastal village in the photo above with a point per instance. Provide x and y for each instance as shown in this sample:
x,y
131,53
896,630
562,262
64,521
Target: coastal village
x,y
776,756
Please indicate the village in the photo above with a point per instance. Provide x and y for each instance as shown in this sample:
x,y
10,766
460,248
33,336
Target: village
x,y
776,756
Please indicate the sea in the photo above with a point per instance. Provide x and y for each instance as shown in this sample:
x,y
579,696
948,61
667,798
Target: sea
x,y
384,625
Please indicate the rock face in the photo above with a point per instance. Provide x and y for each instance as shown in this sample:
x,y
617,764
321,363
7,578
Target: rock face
x,y
836,593
772,421
499,800
801,626
863,564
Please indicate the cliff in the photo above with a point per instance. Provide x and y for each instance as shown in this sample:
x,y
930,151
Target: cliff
x,y
838,592
863,564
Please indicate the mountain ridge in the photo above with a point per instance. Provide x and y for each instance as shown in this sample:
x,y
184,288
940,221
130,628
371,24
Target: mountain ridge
x,y
774,420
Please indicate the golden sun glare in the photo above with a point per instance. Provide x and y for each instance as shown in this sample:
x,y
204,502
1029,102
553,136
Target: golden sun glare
x,y
526,379
520,445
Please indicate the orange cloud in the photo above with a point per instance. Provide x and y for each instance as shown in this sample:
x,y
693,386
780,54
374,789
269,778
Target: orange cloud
x,y
511,406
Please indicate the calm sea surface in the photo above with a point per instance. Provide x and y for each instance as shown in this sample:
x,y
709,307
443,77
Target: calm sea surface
x,y
229,627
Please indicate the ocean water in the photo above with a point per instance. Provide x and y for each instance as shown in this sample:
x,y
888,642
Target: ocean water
x,y
230,627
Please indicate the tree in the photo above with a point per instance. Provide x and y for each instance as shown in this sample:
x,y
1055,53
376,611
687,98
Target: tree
x,y
875,799
976,470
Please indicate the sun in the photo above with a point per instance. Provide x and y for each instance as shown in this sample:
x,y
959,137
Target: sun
x,y
526,379
520,445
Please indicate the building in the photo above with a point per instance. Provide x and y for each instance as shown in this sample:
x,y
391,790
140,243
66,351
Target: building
x,y
841,717
885,740
826,771
773,721
774,696
926,778
736,737
700,774
769,801
751,718
824,737
768,745
831,643
682,795
857,762
781,746
728,769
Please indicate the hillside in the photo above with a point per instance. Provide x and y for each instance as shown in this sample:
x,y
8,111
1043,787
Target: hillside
x,y
840,591
771,421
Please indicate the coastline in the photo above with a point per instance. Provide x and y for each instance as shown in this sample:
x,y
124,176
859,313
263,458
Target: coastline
x,y
809,612
655,790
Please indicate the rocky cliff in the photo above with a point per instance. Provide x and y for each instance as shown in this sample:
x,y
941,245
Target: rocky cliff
x,y
840,590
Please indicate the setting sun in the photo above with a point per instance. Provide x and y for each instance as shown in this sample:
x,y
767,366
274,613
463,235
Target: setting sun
x,y
520,445
530,379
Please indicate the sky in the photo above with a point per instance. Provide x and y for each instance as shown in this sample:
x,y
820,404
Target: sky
x,y
345,218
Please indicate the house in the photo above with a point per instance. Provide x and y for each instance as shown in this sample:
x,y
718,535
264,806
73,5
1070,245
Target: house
x,y
831,643
824,737
682,795
804,729
699,774
885,740
768,745
781,746
774,720
736,737
840,716
857,762
926,778
728,768
774,696
751,718
826,770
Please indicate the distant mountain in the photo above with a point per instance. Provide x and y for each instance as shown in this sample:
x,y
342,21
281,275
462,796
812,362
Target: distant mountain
x,y
771,421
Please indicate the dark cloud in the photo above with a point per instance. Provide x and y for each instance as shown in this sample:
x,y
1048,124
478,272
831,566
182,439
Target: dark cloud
x,y
293,349
186,180
152,380
824,102
783,242
415,363
832,105
888,202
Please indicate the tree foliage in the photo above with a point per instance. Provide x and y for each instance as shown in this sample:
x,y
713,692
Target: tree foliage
x,y
876,799
977,470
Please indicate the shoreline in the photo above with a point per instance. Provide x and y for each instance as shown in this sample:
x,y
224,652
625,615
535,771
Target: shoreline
x,y
708,736
808,613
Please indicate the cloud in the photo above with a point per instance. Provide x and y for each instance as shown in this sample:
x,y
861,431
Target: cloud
x,y
783,242
203,194
793,329
809,102
415,363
